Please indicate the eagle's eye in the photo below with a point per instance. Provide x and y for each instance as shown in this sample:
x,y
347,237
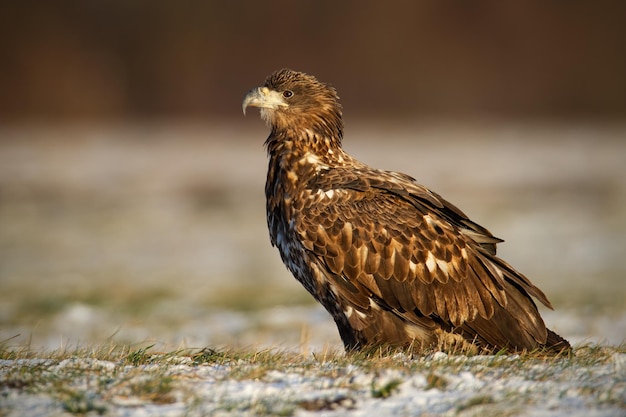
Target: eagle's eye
x,y
287,93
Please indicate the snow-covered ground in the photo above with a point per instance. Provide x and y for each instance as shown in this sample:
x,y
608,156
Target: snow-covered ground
x,y
434,385
156,234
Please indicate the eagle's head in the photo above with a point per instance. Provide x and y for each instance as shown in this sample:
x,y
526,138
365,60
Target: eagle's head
x,y
292,102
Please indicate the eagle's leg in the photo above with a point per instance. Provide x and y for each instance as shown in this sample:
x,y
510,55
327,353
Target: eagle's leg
x,y
352,340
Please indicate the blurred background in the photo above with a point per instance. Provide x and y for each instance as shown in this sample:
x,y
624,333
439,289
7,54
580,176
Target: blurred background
x,y
131,187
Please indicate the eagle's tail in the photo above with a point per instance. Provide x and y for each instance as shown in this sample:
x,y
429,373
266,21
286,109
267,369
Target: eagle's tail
x,y
557,344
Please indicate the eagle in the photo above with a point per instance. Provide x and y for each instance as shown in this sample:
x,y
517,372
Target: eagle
x,y
394,263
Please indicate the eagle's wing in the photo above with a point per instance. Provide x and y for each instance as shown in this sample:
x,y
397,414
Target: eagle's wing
x,y
380,237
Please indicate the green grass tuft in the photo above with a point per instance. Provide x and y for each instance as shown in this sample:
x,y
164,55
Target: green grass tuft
x,y
139,356
385,390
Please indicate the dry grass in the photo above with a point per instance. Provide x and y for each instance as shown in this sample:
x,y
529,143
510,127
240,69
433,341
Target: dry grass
x,y
374,360
101,378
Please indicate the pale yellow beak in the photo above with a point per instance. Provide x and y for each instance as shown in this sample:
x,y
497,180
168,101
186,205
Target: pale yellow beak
x,y
264,98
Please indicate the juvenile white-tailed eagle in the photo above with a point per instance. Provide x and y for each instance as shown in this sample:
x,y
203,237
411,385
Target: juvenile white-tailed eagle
x,y
393,262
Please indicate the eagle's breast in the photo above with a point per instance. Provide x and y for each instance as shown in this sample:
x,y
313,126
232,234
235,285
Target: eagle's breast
x,y
286,194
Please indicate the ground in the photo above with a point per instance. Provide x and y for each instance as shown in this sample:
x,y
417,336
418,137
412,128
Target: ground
x,y
120,381
155,235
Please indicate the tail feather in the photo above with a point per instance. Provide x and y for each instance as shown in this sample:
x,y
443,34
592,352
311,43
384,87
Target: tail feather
x,y
557,344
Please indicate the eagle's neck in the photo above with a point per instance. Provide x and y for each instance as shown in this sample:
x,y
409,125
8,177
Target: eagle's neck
x,y
296,157
292,147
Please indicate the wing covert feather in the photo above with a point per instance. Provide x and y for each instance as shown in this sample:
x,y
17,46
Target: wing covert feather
x,y
415,262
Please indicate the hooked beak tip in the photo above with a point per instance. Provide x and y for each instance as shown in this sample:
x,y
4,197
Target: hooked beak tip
x,y
250,99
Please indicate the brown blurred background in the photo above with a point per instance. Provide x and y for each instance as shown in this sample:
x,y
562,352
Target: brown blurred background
x,y
131,186
69,60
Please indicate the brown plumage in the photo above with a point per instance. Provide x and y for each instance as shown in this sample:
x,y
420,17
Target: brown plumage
x,y
392,262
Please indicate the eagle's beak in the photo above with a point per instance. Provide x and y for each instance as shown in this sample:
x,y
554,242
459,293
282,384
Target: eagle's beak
x,y
264,98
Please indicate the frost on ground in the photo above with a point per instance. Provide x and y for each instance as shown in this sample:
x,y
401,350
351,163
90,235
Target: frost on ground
x,y
157,235
208,382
